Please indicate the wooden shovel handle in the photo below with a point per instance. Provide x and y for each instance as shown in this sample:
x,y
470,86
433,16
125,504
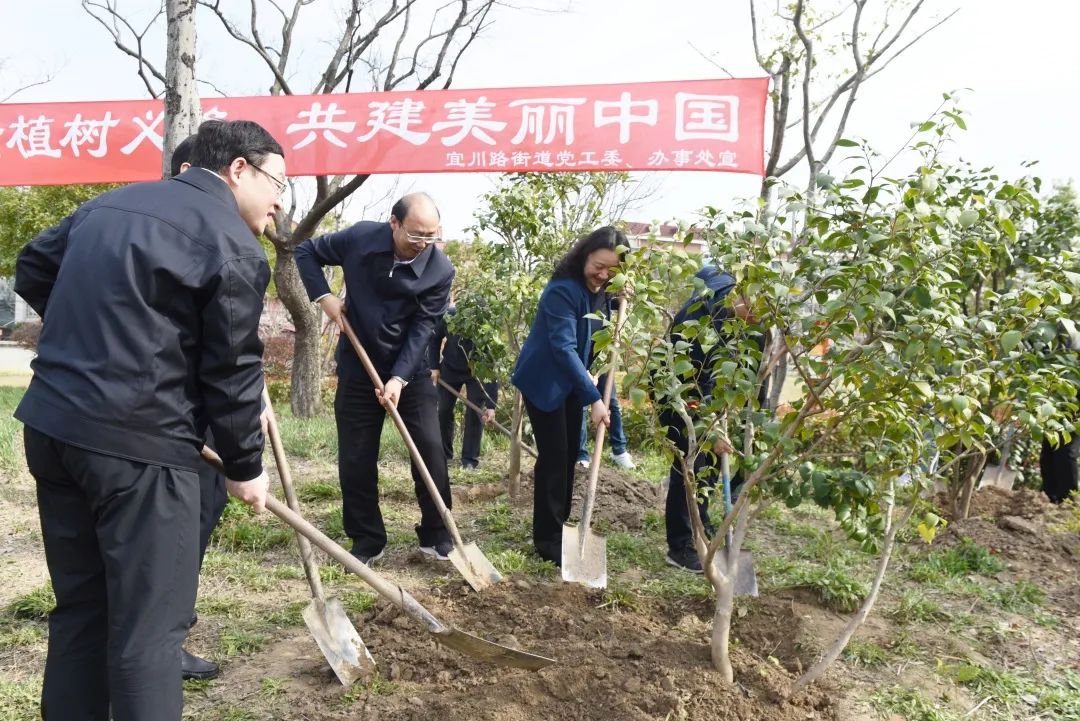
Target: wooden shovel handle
x,y
311,570
524,446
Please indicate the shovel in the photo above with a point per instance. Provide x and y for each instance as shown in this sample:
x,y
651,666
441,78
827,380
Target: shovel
x,y
584,553
469,560
480,411
745,576
448,636
325,618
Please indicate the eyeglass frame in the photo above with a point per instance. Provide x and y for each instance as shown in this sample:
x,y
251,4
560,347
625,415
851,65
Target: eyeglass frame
x,y
422,239
282,187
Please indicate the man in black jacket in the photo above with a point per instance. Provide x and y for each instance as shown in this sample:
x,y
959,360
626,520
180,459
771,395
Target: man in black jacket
x,y
450,363
398,285
150,297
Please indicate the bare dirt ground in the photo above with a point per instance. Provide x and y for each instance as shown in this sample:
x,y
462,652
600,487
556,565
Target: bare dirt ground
x,y
1001,643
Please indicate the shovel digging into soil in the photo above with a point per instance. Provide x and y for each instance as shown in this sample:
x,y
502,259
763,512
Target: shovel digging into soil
x,y
468,559
448,636
584,553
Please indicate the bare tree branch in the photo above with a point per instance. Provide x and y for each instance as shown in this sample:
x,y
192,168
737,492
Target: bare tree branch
x,y
109,7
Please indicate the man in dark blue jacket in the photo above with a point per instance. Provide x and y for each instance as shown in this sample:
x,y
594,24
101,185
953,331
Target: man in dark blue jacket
x,y
150,297
450,364
398,285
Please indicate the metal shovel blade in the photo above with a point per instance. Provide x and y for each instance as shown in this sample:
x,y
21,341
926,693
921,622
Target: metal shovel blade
x,y
474,566
495,653
745,577
584,557
338,640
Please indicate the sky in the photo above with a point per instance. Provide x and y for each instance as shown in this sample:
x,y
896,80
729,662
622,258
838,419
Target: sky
x,y
1017,64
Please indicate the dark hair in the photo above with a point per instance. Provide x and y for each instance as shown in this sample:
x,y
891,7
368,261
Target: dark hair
x,y
181,155
404,205
219,142
572,264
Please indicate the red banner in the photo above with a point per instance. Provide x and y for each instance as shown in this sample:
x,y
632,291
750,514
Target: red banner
x,y
694,125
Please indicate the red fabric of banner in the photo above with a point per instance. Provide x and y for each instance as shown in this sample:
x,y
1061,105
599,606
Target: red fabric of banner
x,y
713,125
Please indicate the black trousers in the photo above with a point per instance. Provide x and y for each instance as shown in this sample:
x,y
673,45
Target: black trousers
x,y
1057,466
680,531
122,547
557,434
474,427
360,419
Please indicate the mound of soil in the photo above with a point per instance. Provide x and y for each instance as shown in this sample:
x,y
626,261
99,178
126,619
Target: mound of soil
x,y
996,502
610,665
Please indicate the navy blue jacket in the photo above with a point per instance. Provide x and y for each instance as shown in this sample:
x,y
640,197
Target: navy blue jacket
x,y
392,306
552,361
150,296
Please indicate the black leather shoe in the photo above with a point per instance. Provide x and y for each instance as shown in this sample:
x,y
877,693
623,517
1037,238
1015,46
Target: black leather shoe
x,y
193,667
194,620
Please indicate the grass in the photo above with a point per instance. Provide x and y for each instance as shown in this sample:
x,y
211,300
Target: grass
x,y
619,598
1014,694
374,686
291,614
272,688
241,642
865,652
21,635
915,607
360,602
509,561
238,530
11,447
19,700
35,605
963,559
318,491
910,705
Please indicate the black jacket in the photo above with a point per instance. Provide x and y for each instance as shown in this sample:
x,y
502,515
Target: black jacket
x,y
392,307
452,359
150,296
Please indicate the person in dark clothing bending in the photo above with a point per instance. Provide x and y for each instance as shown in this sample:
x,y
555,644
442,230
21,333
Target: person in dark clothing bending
x,y
398,285
554,380
450,363
150,297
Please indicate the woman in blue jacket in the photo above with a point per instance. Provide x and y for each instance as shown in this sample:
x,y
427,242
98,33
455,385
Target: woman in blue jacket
x,y
553,377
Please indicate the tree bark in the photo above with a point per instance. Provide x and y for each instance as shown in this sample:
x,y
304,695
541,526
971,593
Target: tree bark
x,y
306,390
182,110
721,630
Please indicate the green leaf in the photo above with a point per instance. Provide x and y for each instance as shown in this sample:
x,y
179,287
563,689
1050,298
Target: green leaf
x,y
1008,227
1010,339
845,143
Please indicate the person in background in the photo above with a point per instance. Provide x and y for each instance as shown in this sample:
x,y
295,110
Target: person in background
x,y
398,285
150,297
617,437
450,363
553,376
718,303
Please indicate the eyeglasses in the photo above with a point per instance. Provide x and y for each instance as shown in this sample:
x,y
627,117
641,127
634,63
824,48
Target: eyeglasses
x,y
423,239
281,187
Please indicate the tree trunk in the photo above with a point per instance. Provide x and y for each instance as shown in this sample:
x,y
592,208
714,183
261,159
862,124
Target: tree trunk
x,y
182,111
307,369
971,480
514,477
721,630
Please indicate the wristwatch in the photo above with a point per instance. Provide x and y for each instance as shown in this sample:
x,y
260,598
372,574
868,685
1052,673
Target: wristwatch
x,y
400,380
